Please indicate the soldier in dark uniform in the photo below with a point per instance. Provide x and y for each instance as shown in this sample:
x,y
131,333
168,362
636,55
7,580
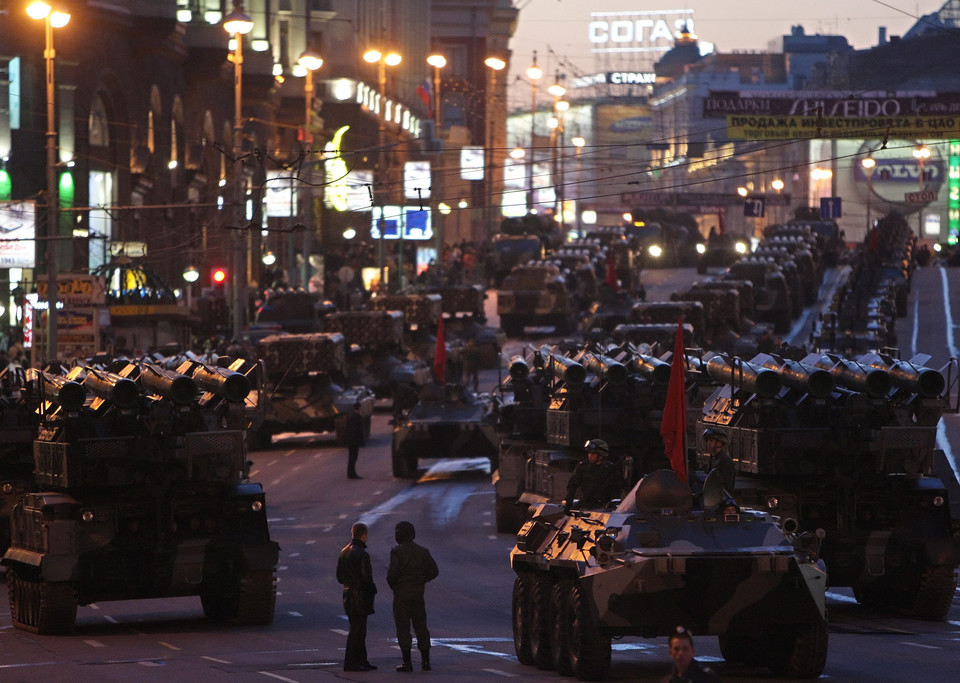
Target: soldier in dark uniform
x,y
685,668
715,445
353,438
411,567
355,572
598,480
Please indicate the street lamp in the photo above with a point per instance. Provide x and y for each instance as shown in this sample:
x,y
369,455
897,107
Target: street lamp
x,y
52,19
310,61
562,107
921,153
495,65
777,185
238,24
534,73
868,164
554,124
383,60
437,62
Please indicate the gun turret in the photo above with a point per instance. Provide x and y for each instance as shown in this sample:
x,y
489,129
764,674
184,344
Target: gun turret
x,y
916,379
227,384
853,375
561,367
754,378
122,392
652,367
68,394
606,368
180,389
798,375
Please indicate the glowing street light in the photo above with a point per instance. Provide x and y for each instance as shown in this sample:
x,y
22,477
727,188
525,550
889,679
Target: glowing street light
x,y
437,62
868,164
921,153
495,64
534,73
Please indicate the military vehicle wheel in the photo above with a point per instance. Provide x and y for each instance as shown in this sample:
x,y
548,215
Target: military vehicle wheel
x,y
589,649
800,652
509,515
42,607
247,600
404,464
559,597
264,439
522,587
541,622
935,592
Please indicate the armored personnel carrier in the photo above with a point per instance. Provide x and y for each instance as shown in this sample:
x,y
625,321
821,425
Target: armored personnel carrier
x,y
535,295
446,422
305,389
141,491
18,429
653,561
849,446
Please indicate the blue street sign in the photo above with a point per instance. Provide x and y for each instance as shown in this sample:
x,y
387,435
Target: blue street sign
x,y
831,207
754,207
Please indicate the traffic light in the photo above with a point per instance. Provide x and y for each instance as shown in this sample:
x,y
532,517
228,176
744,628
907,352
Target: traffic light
x,y
218,280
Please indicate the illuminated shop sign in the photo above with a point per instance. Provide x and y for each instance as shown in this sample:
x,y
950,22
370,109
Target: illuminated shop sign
x,y
638,31
412,222
953,191
616,78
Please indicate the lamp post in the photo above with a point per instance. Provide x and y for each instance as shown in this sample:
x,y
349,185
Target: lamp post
x,y
562,107
437,62
310,61
868,164
238,24
534,73
382,60
777,185
557,91
579,142
51,19
921,153
495,65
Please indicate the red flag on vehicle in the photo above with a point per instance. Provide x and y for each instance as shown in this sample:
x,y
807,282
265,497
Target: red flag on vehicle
x,y
612,274
673,426
440,355
720,227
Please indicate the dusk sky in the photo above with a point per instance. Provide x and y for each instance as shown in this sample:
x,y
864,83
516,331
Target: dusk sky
x,y
559,29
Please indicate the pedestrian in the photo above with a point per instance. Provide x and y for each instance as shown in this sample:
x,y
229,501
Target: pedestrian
x,y
411,567
354,436
355,572
715,445
685,668
597,480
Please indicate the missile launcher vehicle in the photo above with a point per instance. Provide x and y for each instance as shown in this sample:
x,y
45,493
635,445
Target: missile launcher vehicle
x,y
140,491
656,560
848,446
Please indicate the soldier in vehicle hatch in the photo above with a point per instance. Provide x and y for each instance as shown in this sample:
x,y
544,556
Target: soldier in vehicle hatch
x,y
715,445
597,479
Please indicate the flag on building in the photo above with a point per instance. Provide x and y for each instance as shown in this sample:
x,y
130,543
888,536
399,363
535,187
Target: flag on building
x,y
426,94
673,425
440,355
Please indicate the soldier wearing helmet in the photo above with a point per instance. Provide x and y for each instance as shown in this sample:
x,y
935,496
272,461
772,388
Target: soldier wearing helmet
x,y
597,479
715,445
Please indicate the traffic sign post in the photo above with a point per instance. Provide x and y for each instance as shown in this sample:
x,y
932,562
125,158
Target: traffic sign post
x,y
831,207
754,207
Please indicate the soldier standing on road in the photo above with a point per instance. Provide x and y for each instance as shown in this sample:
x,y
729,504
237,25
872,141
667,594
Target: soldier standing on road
x,y
597,480
411,567
715,445
685,668
353,438
355,572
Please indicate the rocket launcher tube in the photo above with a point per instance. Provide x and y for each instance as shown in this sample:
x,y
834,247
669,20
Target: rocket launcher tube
x,y
873,382
519,369
653,368
798,375
561,367
229,385
916,379
736,372
122,392
66,393
180,389
606,368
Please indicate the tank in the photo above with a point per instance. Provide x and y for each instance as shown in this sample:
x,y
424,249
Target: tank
x,y
658,559
535,295
849,446
140,490
447,421
305,387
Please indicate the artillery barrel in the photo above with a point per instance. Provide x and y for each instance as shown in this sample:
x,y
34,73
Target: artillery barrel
x,y
921,380
122,392
652,367
229,385
808,378
519,369
561,367
608,369
852,375
180,389
759,380
68,394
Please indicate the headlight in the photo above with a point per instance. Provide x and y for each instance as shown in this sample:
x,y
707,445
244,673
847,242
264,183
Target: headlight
x,y
773,503
701,248
655,251
256,505
87,515
938,501
741,247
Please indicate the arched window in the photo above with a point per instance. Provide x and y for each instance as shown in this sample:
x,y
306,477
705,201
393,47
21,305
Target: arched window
x,y
153,117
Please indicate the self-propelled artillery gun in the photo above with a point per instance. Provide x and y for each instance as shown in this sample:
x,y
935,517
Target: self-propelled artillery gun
x,y
848,446
140,491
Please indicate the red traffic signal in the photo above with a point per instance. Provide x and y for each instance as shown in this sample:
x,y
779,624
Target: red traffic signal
x,y
218,276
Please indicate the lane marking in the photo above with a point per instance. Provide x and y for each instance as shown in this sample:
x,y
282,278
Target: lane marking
x,y
214,659
295,614
94,643
292,555
498,672
169,646
311,541
341,632
278,677
151,662
925,647
111,619
840,597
